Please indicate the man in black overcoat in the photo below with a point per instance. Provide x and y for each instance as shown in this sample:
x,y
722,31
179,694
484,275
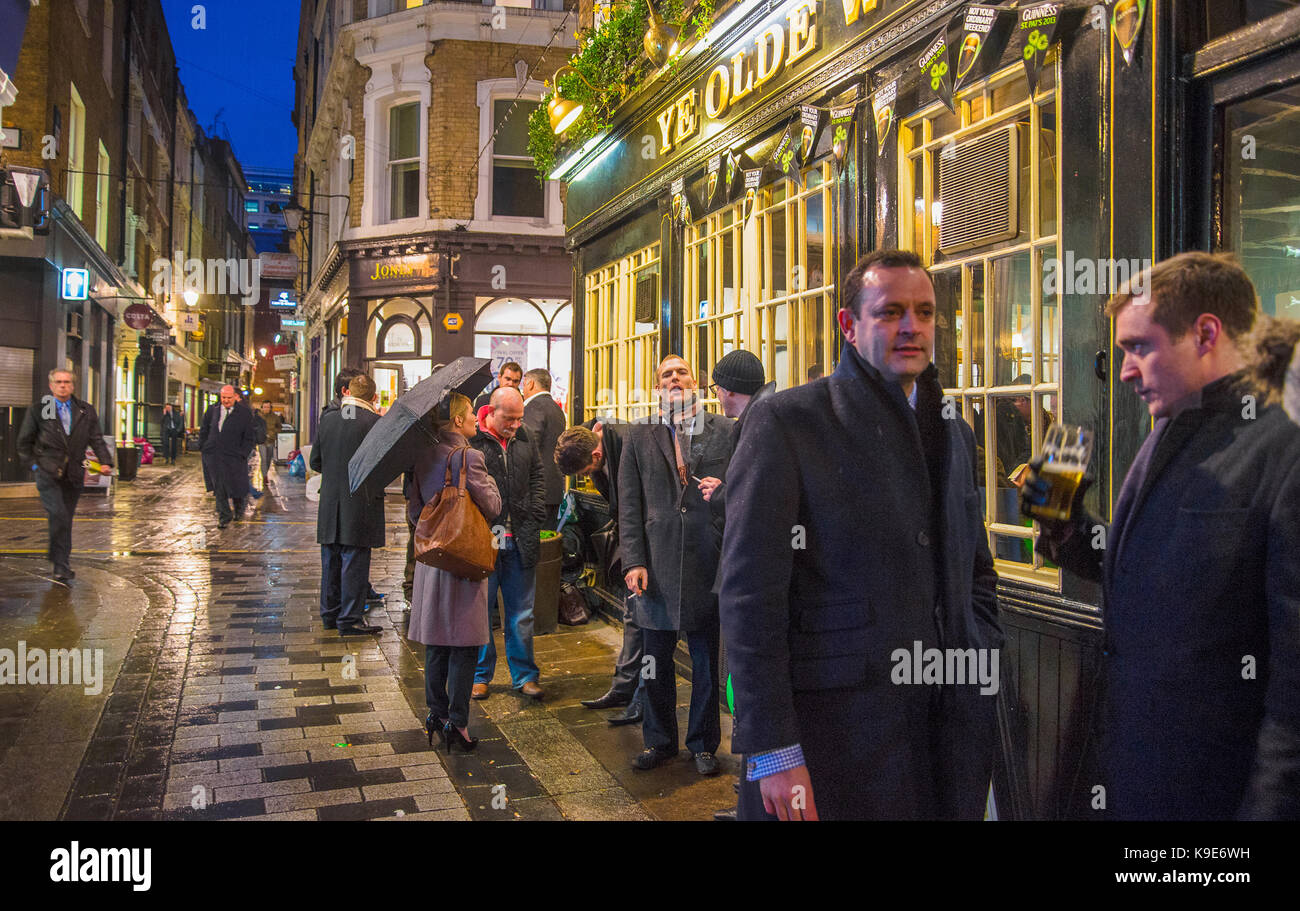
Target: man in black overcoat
x,y
173,432
854,535
546,421
670,541
52,440
226,439
348,525
1200,568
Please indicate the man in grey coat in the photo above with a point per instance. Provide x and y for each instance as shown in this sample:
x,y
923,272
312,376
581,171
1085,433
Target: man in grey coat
x,y
348,525
854,533
1200,567
670,542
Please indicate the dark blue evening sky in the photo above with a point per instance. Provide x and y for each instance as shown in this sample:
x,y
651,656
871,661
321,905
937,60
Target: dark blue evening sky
x,y
241,68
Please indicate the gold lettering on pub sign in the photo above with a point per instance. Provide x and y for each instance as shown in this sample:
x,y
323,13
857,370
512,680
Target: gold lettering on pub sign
x,y
778,46
407,267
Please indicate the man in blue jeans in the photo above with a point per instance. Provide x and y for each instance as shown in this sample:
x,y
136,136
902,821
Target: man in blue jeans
x,y
515,464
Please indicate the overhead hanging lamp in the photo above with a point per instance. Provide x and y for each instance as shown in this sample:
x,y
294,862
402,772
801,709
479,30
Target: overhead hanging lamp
x,y
564,112
660,43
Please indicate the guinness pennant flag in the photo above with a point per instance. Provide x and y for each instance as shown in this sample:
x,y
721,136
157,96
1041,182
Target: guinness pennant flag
x,y
842,130
753,180
1126,24
979,43
1035,32
783,157
936,74
713,181
731,174
882,105
811,119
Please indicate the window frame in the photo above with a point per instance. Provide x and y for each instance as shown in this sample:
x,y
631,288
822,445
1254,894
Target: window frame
x,y
611,341
1035,244
103,188
76,167
419,159
489,92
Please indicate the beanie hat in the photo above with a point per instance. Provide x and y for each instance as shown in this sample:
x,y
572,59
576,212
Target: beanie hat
x,y
739,372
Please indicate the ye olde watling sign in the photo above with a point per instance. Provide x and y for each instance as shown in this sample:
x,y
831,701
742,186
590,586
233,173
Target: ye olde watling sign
x,y
415,272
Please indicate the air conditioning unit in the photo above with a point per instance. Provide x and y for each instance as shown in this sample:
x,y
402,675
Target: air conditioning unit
x,y
74,324
979,189
647,299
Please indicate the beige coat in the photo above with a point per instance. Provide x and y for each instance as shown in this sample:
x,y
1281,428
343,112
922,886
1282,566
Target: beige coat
x,y
445,609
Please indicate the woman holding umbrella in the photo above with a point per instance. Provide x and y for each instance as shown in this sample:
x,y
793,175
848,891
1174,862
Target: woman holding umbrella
x,y
449,614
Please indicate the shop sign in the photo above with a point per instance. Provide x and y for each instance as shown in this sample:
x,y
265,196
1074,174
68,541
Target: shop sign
x,y
284,301
187,322
279,265
137,316
421,270
285,361
289,323
453,322
75,285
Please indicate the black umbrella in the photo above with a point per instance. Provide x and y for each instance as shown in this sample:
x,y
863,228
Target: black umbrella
x,y
392,444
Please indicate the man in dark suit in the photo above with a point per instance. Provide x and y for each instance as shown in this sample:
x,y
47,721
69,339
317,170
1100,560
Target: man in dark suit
x,y
545,420
226,440
173,431
348,525
53,440
594,450
1200,569
854,533
670,545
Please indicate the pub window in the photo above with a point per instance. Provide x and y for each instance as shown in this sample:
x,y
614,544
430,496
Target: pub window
x,y
535,332
516,191
621,344
795,314
714,276
998,335
404,161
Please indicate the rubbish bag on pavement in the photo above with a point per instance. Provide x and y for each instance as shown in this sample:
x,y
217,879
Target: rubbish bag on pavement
x,y
313,488
297,467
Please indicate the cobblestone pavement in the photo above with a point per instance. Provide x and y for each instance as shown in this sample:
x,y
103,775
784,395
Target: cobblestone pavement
x,y
222,697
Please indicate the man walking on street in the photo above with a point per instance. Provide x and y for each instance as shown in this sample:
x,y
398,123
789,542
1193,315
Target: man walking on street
x,y
53,440
226,440
670,544
1200,567
854,532
173,432
348,525
266,449
545,420
594,450
516,466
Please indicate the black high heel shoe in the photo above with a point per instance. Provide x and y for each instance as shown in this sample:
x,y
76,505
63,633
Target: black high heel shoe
x,y
432,724
452,735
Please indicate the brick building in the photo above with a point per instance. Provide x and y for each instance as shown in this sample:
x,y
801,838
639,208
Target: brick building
x,y
429,235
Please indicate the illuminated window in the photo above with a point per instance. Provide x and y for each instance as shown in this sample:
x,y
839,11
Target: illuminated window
x,y
76,153
404,161
622,351
998,335
102,168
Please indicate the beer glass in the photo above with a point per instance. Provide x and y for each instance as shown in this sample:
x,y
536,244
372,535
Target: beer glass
x,y
1066,452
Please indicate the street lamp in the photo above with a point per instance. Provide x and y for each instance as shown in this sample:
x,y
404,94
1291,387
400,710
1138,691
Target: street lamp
x,y
293,215
191,298
659,42
562,111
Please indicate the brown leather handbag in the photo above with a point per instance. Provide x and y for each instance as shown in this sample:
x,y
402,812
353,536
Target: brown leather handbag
x,y
452,534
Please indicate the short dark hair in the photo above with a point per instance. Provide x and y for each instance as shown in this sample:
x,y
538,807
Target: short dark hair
x,y
1183,287
574,448
361,387
345,376
815,372
540,377
877,259
512,367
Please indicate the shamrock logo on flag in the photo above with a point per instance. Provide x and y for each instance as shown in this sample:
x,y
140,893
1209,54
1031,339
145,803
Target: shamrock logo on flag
x,y
1036,44
937,72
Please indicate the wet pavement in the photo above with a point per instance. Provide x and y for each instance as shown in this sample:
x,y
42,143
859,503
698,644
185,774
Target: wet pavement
x,y
222,697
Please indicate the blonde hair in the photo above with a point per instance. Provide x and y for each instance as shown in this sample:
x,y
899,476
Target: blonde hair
x,y
455,406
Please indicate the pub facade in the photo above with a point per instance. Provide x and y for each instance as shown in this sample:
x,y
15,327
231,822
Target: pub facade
x,y
1034,155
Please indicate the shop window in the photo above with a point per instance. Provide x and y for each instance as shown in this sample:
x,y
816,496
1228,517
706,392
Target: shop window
x,y
531,332
515,189
714,275
404,161
997,334
1261,196
621,344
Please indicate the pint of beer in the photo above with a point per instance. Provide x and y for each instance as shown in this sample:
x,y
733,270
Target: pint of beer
x,y
1066,452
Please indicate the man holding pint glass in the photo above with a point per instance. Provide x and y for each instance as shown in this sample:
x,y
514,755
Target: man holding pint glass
x,y
1200,567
